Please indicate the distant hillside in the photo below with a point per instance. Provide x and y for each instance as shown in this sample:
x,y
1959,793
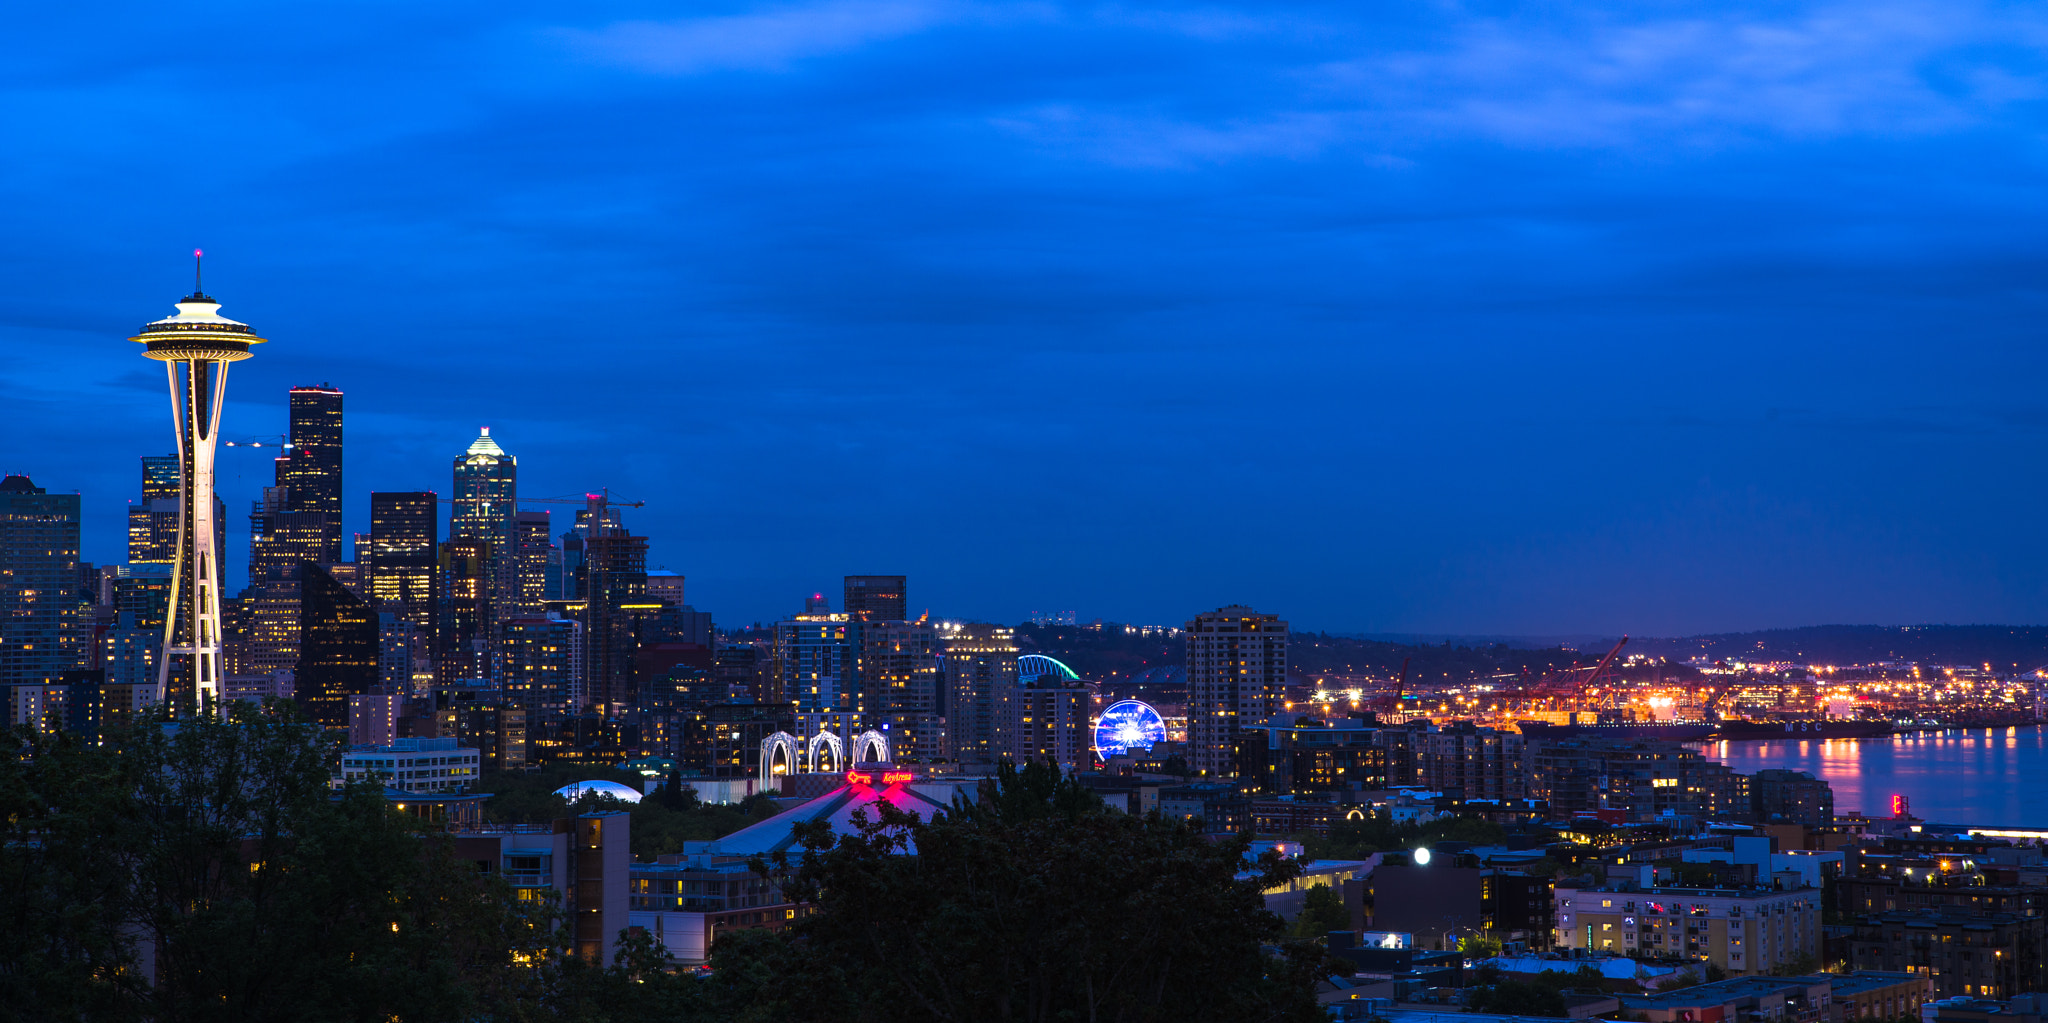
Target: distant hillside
x,y
2004,647
1111,655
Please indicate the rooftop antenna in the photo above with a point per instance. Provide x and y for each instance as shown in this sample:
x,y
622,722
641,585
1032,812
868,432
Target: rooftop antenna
x,y
198,258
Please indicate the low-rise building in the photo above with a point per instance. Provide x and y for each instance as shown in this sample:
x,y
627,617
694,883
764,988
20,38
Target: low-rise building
x,y
1221,808
1442,904
2029,1008
1740,930
1308,759
1979,955
583,862
1781,999
1874,994
414,765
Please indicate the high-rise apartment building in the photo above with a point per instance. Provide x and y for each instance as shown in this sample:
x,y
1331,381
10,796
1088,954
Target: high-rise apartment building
x,y
404,663
153,521
338,647
537,666
486,509
665,586
1048,724
313,470
402,567
1237,672
282,538
463,630
818,658
903,672
572,557
299,518
142,591
128,651
614,587
269,614
1462,759
159,483
981,663
533,553
877,598
45,630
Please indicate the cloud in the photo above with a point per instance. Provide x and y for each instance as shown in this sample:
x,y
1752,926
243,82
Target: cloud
x,y
1833,70
772,39
1584,78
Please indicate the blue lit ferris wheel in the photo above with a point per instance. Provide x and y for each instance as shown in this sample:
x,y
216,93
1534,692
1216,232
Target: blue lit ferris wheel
x,y
1128,726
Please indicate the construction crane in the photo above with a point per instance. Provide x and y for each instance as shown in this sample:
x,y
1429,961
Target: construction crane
x,y
258,442
1400,685
1572,682
1605,663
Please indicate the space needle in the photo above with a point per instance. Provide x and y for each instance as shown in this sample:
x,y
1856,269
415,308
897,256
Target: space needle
x,y
195,346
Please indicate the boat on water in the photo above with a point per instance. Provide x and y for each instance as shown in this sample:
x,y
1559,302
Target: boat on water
x,y
1688,730
1679,730
1803,728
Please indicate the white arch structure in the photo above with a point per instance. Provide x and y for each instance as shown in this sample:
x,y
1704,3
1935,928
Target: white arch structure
x,y
786,744
871,747
822,741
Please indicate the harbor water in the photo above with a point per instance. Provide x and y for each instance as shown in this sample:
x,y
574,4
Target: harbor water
x,y
1982,776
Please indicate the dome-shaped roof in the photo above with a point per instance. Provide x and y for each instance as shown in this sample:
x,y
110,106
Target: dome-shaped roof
x,y
603,788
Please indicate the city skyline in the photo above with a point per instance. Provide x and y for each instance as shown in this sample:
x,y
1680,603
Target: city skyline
x,y
1495,321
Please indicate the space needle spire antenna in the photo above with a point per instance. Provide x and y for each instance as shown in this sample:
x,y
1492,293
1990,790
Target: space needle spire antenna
x,y
195,345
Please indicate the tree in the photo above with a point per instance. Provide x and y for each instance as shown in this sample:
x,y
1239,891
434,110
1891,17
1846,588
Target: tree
x,y
261,893
1032,903
63,953
1322,911
1517,998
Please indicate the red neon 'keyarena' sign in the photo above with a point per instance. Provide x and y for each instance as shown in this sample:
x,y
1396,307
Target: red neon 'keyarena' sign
x,y
888,778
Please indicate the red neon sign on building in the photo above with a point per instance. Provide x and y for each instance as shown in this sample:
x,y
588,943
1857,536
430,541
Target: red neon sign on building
x,y
888,777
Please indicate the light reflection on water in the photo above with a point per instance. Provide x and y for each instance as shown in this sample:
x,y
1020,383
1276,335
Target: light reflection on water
x,y
1966,776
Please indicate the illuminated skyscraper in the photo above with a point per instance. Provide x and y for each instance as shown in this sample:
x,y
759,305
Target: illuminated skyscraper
x,y
877,598
403,555
153,521
486,503
981,665
44,629
195,346
463,632
818,656
338,647
614,587
401,559
1237,672
283,539
903,673
533,555
299,519
313,469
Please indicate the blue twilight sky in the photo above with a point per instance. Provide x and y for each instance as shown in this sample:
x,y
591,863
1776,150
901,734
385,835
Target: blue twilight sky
x,y
1386,317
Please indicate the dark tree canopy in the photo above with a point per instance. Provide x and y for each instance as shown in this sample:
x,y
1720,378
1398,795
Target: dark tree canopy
x,y
217,854
1033,904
